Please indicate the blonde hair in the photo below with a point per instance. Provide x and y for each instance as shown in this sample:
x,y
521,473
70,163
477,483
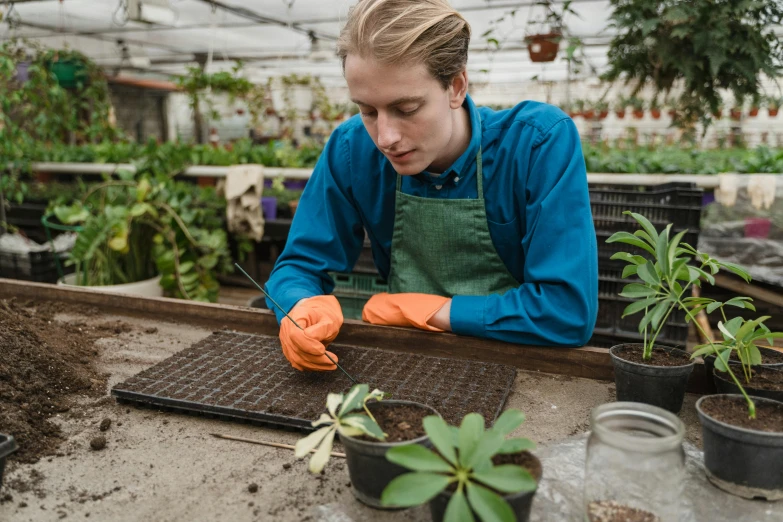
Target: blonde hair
x,y
408,31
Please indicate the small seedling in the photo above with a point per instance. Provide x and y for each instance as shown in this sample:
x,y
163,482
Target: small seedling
x,y
341,418
464,462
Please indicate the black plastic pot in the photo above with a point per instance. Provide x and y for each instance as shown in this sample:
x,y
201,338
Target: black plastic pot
x,y
725,384
743,462
7,446
368,468
709,366
662,386
520,503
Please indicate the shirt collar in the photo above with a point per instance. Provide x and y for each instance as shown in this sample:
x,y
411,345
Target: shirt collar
x,y
467,158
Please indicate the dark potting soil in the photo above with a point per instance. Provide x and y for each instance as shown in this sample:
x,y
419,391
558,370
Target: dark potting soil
x,y
769,417
761,379
45,365
249,376
611,511
524,459
400,422
635,353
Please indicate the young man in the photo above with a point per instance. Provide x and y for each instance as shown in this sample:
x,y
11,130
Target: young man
x,y
479,220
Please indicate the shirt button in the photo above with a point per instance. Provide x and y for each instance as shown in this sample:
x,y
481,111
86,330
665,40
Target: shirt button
x,y
456,179
438,187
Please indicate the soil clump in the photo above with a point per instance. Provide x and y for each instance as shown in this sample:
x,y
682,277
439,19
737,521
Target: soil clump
x,y
46,365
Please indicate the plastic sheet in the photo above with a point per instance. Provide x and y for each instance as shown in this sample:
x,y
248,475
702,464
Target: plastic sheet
x,y
744,225
560,494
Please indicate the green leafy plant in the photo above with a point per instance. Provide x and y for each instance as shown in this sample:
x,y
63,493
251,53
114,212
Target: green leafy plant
x,y
462,464
343,417
667,270
201,87
144,224
740,336
696,49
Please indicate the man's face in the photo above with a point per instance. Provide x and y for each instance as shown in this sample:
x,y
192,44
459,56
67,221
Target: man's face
x,y
404,109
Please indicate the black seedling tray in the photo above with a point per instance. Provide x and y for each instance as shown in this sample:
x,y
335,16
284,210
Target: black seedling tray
x,y
7,446
244,377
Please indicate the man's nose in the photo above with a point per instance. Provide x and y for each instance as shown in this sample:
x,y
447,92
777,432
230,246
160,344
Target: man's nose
x,y
388,134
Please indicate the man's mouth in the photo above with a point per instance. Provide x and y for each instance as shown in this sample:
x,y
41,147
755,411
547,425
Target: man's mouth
x,y
401,156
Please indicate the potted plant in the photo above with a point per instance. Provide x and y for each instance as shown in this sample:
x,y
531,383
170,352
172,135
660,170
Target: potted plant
x,y
144,228
475,472
619,107
736,112
655,109
637,106
544,45
743,436
588,112
369,427
754,106
773,105
666,270
602,108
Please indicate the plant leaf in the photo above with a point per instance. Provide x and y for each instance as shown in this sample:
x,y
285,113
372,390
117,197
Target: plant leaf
x,y
412,489
638,306
458,509
508,421
470,432
363,423
489,506
630,239
672,249
754,354
736,269
307,444
629,270
354,399
635,290
742,302
648,274
333,400
646,225
418,458
441,437
661,252
488,445
508,478
322,454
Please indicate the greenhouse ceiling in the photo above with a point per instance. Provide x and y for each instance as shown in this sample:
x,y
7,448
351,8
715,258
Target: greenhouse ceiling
x,y
276,37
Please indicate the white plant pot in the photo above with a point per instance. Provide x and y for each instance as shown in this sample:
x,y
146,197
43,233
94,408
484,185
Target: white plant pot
x,y
302,98
146,288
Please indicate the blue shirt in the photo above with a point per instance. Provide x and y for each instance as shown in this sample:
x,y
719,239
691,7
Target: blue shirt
x,y
538,208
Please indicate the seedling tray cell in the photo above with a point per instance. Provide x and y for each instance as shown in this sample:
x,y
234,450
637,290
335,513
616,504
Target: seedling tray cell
x,y
245,377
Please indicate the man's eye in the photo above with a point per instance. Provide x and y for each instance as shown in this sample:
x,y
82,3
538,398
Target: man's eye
x,y
368,114
409,112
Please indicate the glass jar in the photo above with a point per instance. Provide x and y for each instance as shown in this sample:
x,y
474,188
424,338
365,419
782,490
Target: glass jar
x,y
635,467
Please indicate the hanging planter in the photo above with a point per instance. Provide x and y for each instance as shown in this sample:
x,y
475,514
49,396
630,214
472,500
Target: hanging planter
x,y
736,114
543,47
754,111
620,114
638,114
655,113
70,73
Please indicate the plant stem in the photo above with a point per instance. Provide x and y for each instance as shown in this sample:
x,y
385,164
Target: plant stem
x,y
751,404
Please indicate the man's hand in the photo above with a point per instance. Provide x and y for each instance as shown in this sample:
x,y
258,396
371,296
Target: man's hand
x,y
321,318
424,311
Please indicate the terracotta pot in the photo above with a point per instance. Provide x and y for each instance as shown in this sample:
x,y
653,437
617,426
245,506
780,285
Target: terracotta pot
x,y
672,113
293,206
638,114
543,47
602,115
772,112
655,113
754,111
620,114
589,115
736,114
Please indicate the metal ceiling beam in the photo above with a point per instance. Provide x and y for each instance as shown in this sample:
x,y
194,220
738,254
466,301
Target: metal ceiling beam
x,y
252,15
152,29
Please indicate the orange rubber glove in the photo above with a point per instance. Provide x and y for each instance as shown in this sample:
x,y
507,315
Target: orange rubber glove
x,y
403,309
321,318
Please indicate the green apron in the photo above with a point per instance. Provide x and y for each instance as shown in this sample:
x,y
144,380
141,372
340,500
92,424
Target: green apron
x,y
443,246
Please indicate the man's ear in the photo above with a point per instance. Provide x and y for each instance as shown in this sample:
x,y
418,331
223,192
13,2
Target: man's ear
x,y
458,89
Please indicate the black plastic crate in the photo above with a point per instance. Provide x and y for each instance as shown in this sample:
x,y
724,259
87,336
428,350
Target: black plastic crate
x,y
7,446
676,203
40,267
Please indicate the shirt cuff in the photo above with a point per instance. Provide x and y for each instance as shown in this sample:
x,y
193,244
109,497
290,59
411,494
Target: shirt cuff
x,y
287,300
467,315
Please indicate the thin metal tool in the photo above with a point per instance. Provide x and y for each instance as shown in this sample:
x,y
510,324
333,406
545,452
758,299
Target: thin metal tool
x,y
289,317
272,444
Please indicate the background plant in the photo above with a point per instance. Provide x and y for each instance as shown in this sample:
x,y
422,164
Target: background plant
x,y
145,224
696,49
464,462
341,418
